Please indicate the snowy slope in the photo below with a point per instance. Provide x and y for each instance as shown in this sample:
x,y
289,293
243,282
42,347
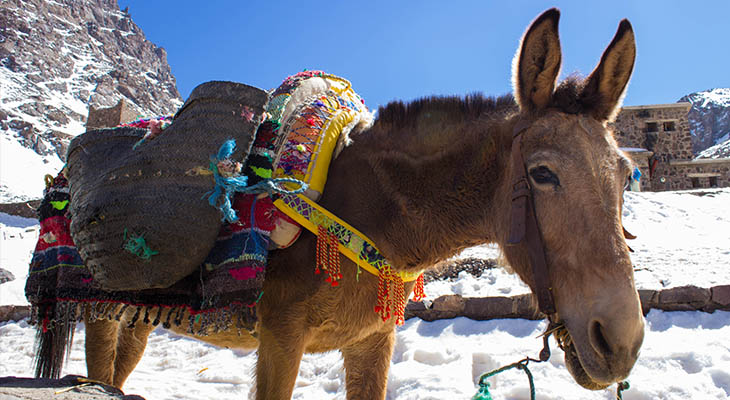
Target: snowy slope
x,y
22,170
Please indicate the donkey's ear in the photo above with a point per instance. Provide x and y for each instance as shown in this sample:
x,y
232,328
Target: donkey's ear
x,y
605,87
537,62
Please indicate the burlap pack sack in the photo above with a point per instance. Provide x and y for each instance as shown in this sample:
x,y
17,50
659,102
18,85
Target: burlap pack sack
x,y
140,215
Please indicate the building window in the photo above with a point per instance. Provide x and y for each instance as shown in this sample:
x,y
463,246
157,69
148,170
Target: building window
x,y
670,126
713,181
695,183
652,127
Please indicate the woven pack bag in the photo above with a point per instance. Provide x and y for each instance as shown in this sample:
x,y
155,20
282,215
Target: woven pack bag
x,y
140,215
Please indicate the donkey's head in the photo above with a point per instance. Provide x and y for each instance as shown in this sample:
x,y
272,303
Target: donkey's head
x,y
576,176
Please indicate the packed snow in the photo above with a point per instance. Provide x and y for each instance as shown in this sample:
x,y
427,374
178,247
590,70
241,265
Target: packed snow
x,y
682,239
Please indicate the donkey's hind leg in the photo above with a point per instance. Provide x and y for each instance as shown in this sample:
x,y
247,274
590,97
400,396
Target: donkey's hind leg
x,y
366,366
101,349
131,343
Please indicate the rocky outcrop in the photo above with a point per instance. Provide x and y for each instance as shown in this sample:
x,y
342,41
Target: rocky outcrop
x,y
70,387
6,276
709,118
26,209
59,57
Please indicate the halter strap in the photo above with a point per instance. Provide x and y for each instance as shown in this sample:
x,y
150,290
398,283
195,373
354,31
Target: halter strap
x,y
524,224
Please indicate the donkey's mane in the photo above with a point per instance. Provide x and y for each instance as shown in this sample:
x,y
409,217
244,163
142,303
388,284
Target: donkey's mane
x,y
568,98
399,114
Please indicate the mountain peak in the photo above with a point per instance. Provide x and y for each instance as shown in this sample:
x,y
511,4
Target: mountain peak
x,y
709,119
58,57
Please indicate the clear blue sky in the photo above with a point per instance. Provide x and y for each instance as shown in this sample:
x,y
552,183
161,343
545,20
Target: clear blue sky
x,y
398,49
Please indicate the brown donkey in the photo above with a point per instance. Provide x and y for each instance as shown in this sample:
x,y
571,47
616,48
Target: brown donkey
x,y
433,177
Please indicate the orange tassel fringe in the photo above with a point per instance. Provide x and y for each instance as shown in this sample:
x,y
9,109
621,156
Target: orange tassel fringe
x,y
391,296
391,289
328,256
418,291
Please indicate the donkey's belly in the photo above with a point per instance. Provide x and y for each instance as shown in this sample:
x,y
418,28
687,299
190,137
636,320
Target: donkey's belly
x,y
230,339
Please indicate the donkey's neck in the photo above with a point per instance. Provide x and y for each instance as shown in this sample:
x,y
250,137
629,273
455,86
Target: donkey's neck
x,y
421,209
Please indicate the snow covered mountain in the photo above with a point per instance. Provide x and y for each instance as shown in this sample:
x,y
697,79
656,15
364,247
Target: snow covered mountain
x,y
57,57
709,120
720,150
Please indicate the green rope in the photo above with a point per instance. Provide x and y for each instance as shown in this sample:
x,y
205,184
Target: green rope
x,y
137,246
483,392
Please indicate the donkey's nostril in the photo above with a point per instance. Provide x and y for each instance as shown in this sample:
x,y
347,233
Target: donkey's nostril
x,y
598,339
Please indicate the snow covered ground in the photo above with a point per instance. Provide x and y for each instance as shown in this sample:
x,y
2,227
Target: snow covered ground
x,y
683,238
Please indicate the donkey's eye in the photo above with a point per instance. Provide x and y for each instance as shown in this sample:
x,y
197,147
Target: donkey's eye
x,y
542,175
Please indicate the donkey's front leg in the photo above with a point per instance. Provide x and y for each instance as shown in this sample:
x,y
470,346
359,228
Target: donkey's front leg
x,y
366,365
277,366
101,348
131,343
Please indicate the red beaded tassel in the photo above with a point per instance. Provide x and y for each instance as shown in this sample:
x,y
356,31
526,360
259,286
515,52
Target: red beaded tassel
x,y
400,301
322,253
328,256
391,296
418,291
382,306
334,260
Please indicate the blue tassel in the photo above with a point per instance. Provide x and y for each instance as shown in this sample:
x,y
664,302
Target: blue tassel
x,y
227,187
226,149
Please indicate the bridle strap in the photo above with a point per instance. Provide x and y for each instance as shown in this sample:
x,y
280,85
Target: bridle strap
x,y
524,223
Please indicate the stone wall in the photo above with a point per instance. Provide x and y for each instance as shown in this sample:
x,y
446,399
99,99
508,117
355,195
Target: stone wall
x,y
660,144
700,174
662,129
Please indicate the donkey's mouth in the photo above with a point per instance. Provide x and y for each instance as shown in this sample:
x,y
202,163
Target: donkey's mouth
x,y
572,361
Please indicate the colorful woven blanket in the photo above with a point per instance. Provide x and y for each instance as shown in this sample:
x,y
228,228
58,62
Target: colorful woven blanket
x,y
224,292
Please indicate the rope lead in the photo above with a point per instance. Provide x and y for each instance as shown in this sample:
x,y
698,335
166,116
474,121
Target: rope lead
x,y
620,388
483,391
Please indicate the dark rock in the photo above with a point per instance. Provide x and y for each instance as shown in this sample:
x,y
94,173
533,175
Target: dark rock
x,y
684,298
473,266
488,308
649,300
25,209
14,313
443,307
6,276
721,295
70,387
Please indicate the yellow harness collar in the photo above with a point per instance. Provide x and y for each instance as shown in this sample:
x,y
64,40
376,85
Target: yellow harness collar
x,y
334,234
352,243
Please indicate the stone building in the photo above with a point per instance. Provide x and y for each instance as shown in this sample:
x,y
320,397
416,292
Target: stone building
x,y
109,117
658,140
